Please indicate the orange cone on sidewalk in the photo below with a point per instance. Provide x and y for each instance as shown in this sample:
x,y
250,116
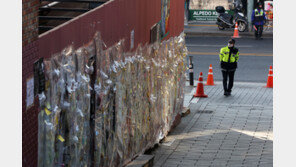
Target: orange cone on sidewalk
x,y
270,78
210,80
199,89
235,34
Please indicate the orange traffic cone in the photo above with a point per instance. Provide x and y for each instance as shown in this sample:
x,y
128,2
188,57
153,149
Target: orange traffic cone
x,y
199,89
210,80
270,78
235,34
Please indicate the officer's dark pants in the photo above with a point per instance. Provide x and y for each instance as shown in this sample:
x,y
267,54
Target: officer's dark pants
x,y
225,75
258,33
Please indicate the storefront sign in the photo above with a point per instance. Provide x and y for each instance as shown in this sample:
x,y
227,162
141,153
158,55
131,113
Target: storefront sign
x,y
203,15
268,7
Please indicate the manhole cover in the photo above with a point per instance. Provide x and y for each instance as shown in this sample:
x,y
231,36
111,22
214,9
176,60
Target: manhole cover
x,y
204,111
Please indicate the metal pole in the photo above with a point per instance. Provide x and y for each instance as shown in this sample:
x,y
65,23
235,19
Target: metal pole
x,y
250,11
191,71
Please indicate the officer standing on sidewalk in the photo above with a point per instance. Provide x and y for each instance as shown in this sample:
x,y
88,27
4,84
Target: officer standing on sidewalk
x,y
258,20
228,60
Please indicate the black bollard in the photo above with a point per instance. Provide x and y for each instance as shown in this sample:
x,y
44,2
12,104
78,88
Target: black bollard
x,y
191,71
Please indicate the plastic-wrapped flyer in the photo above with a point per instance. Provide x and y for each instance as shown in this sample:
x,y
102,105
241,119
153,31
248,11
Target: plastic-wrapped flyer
x,y
137,97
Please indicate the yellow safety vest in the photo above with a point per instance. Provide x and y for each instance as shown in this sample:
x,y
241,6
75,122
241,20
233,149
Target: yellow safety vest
x,y
224,55
258,13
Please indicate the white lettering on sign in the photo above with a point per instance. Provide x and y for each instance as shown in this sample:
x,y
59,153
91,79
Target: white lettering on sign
x,y
205,13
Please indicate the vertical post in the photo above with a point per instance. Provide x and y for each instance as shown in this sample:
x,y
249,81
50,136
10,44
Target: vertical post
x,y
191,71
186,12
250,11
92,107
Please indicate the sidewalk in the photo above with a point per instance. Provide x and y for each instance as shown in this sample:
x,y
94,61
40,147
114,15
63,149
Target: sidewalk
x,y
222,131
211,29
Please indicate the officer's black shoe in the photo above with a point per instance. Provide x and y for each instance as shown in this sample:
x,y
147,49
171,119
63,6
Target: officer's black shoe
x,y
225,93
228,93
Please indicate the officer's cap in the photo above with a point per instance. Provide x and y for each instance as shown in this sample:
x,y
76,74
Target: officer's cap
x,y
231,41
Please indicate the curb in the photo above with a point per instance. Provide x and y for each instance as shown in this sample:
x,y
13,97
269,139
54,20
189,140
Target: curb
x,y
142,161
185,111
246,34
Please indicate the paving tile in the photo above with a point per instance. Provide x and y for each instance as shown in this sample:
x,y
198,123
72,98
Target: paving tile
x,y
173,160
186,165
223,156
237,133
237,158
191,157
188,162
250,163
239,153
219,162
169,165
203,162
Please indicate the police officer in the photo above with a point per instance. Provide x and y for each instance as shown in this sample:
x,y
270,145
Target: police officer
x,y
258,20
228,61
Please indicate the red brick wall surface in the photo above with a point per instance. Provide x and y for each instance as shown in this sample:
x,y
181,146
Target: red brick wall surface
x,y
29,55
29,116
30,21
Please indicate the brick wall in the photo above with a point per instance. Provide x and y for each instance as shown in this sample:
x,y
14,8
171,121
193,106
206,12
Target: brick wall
x,y
29,115
29,55
30,21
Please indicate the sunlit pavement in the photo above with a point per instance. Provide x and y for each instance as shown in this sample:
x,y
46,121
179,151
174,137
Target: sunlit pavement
x,y
223,131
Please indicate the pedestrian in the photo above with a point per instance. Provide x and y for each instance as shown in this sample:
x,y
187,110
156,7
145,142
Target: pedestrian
x,y
228,61
258,20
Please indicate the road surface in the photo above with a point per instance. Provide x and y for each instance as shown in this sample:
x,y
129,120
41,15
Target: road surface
x,y
255,57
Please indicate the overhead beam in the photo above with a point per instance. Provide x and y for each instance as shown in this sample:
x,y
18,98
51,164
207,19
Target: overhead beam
x,y
64,9
46,27
78,1
55,17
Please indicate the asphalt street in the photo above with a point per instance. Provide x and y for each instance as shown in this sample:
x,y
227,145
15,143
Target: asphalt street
x,y
255,57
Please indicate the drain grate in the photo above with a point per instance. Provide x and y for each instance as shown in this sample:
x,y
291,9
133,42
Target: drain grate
x,y
204,111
